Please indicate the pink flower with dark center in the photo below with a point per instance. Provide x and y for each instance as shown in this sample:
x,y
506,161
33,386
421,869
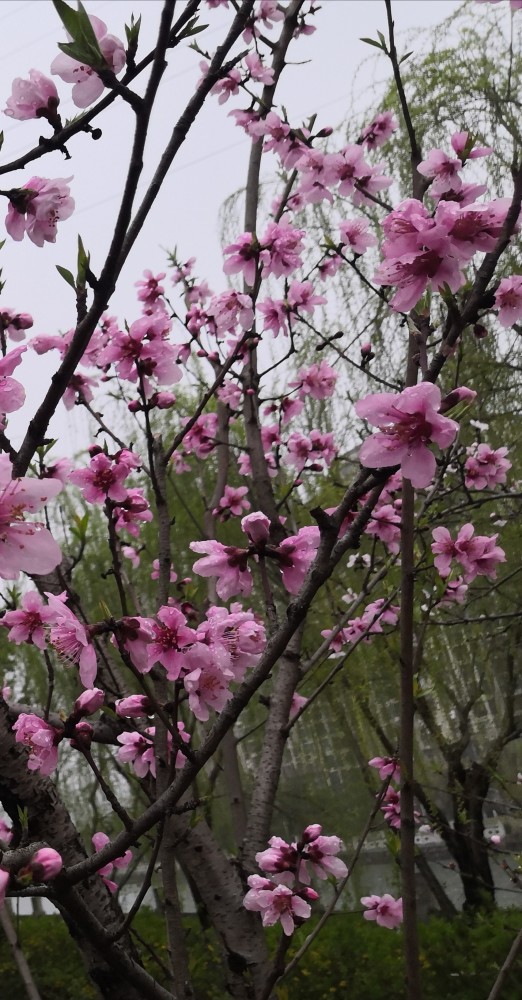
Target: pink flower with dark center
x,y
42,741
208,688
36,97
36,208
15,324
242,257
485,467
138,750
103,480
318,381
385,910
88,86
355,234
408,423
170,637
71,641
508,300
379,131
234,501
279,857
295,555
320,852
29,622
276,902
228,563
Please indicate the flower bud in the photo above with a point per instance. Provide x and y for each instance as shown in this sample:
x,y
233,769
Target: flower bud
x,y
88,702
45,864
312,832
257,527
134,707
460,395
82,738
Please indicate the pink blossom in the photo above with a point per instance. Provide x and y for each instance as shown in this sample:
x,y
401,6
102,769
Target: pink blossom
x,y
200,440
477,554
99,841
408,423
36,208
33,98
28,623
385,525
71,641
318,381
131,512
170,637
258,72
508,300
88,86
275,313
385,910
295,555
443,170
320,853
45,864
234,501
379,130
276,902
150,289
25,545
42,741
226,562
14,324
12,392
281,247
103,480
388,767
208,687
138,750
485,468
463,144
355,234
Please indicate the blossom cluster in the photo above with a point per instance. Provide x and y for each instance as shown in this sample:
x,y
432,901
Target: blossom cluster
x,y
286,896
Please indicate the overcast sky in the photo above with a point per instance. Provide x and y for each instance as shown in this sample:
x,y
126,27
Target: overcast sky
x,y
336,70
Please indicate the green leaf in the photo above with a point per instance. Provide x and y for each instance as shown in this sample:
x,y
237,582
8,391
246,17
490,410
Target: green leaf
x,y
382,40
68,17
1,139
87,30
66,275
193,29
405,57
371,41
84,260
83,53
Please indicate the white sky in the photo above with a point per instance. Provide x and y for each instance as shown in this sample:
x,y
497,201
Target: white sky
x,y
210,165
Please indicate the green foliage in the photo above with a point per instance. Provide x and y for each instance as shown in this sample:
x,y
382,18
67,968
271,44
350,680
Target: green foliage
x,y
349,958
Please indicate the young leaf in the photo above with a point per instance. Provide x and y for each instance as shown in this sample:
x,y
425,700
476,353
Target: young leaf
x,y
68,17
66,275
371,41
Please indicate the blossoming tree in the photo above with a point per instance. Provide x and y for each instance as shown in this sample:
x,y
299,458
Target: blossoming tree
x,y
166,674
